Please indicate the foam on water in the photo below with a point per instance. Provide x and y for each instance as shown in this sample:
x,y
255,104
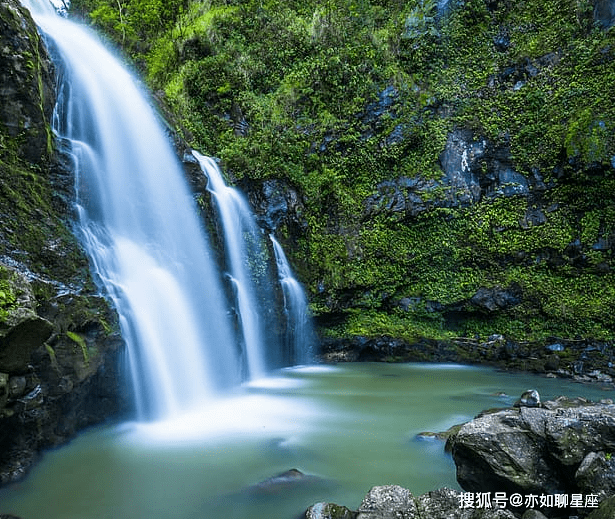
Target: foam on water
x,y
234,417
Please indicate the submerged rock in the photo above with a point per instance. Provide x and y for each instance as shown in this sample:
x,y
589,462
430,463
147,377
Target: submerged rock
x,y
283,482
270,493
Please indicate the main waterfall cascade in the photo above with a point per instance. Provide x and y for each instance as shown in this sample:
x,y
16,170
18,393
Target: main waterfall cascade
x,y
143,234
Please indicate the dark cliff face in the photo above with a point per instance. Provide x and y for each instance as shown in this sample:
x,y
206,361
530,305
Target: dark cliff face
x,y
59,340
26,85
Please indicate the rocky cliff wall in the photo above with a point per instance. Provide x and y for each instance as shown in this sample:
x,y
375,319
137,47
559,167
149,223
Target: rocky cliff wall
x,y
59,339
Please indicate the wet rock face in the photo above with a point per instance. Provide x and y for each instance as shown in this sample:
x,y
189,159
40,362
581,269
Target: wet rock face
x,y
460,161
276,204
604,13
472,169
559,447
26,82
495,298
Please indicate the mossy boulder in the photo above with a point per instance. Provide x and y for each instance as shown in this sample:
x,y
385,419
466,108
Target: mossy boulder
x,y
59,371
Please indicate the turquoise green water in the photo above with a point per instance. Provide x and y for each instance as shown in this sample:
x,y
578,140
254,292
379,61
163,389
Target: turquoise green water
x,y
353,426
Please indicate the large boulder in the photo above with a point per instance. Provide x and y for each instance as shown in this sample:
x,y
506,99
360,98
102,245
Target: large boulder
x,y
59,372
558,447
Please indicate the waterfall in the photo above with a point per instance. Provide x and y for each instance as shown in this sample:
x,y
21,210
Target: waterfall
x,y
191,331
245,255
140,227
300,337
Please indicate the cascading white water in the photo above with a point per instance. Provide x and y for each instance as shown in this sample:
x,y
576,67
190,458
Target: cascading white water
x,y
300,336
242,244
141,229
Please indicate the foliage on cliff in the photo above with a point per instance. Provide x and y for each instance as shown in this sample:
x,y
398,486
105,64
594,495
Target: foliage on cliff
x,y
340,97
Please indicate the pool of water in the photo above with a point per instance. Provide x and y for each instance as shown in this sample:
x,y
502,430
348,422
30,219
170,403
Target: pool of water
x,y
349,427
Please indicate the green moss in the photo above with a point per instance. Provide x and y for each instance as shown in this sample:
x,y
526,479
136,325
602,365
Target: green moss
x,y
80,341
52,356
409,326
8,297
33,233
306,76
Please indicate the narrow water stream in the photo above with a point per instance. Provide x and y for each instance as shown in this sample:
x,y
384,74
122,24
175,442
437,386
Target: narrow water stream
x,y
353,426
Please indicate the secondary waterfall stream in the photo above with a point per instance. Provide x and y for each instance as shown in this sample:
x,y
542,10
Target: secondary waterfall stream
x,y
300,338
242,245
142,231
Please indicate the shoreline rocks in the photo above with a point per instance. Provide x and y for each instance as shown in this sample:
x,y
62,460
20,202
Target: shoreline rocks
x,y
562,446
394,501
585,361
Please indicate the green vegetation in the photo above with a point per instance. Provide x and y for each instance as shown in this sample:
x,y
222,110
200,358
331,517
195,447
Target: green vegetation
x,y
8,297
296,90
